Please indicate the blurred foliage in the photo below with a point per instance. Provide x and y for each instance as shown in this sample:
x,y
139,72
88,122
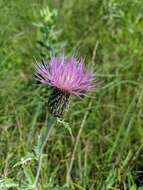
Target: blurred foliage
x,y
49,44
109,33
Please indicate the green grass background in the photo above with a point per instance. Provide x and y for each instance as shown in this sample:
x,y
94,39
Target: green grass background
x,y
109,34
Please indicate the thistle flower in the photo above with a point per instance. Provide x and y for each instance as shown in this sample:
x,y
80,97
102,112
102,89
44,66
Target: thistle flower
x,y
66,77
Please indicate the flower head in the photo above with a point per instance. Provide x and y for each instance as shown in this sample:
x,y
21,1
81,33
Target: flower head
x,y
67,76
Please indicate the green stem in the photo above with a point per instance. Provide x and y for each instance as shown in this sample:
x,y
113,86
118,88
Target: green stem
x,y
45,134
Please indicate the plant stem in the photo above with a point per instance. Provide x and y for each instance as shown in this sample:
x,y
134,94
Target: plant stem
x,y
45,134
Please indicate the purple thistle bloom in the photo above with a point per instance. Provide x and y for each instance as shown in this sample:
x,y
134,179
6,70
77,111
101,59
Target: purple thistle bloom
x,y
67,77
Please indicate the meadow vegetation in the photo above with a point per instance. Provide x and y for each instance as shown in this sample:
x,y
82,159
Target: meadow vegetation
x,y
106,128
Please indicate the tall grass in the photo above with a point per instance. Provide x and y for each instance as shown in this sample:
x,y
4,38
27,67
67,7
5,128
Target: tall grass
x,y
99,145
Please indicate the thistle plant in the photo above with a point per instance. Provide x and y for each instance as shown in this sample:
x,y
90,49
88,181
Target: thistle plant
x,y
66,76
